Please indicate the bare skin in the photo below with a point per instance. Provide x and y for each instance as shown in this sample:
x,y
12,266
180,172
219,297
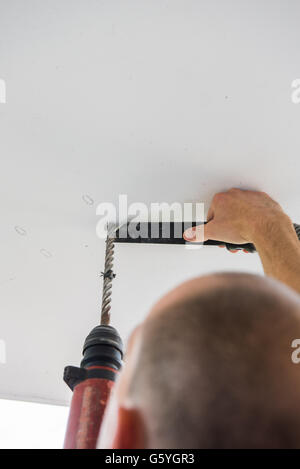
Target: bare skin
x,y
236,217
239,216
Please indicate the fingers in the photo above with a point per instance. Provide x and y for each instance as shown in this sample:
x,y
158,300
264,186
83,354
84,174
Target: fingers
x,y
233,250
191,235
195,234
229,249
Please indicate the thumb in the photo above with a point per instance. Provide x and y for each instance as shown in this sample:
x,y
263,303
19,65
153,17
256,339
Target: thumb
x,y
196,234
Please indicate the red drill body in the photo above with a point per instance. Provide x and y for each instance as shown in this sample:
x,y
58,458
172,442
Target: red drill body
x,y
91,385
86,412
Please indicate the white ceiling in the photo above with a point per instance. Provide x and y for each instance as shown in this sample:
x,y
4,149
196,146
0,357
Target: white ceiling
x,y
161,100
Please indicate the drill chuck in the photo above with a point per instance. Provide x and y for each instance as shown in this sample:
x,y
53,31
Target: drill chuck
x,y
91,385
102,357
103,347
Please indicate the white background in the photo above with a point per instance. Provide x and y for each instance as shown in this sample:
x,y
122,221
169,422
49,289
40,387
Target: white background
x,y
26,425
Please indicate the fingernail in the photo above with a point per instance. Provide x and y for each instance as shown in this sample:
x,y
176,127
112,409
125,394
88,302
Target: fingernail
x,y
245,250
189,234
233,250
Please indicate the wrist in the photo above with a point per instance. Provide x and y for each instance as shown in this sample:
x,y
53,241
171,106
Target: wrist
x,y
274,228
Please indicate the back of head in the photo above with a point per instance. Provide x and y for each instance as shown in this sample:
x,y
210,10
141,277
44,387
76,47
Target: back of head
x,y
215,370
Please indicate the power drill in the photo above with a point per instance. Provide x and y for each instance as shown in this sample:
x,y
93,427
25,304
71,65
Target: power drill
x,y
92,382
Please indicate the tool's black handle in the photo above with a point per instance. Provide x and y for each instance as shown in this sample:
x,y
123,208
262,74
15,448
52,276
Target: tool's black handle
x,y
249,246
171,233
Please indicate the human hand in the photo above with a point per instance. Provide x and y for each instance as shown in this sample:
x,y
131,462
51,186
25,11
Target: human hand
x,y
234,216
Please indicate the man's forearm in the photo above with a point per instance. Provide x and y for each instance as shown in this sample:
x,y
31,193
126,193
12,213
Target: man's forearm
x,y
279,249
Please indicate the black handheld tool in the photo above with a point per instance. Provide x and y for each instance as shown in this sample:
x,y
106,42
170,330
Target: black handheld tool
x,y
171,233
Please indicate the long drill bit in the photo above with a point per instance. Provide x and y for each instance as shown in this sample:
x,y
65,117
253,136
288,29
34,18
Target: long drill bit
x,y
108,277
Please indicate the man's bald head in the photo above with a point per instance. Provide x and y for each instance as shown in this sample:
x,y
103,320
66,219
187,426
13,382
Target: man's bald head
x,y
212,365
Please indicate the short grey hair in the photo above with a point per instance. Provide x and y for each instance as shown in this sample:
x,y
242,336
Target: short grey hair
x,y
214,371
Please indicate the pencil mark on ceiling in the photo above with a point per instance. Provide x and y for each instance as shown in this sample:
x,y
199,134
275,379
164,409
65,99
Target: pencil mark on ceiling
x,y
87,199
46,253
21,231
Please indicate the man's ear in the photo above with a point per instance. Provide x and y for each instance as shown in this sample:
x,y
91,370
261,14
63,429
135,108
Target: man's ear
x,y
129,431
